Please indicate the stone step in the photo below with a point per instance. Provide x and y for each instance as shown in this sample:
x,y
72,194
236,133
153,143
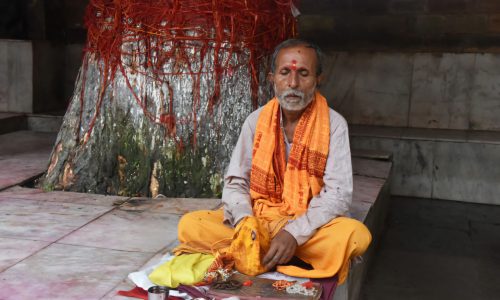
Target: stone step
x,y
10,122
458,165
44,123
371,154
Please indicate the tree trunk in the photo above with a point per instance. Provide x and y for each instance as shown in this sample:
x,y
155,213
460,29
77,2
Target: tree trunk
x,y
126,153
162,93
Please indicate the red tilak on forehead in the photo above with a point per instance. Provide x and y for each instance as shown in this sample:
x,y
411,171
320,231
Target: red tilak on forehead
x,y
294,64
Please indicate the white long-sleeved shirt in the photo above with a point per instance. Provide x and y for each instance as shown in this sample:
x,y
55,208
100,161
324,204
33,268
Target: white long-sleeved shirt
x,y
333,200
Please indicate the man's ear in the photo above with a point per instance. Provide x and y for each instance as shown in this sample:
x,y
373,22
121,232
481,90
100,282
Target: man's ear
x,y
319,80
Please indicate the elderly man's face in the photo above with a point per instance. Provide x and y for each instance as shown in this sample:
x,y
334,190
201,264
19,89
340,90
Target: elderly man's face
x,y
295,79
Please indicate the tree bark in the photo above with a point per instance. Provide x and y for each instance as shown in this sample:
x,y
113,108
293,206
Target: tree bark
x,y
128,153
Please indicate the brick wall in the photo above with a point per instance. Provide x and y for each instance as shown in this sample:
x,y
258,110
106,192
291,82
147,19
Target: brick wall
x,y
456,25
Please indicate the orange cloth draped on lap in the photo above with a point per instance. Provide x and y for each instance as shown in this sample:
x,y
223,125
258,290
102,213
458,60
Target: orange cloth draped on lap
x,y
281,191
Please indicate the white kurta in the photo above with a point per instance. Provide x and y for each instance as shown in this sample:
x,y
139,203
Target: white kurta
x,y
334,199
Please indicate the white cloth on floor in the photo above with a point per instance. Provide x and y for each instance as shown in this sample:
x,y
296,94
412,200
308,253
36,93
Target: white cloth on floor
x,y
141,279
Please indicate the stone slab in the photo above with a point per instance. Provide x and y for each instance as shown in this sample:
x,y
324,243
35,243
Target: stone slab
x,y
371,154
44,123
44,221
10,122
18,192
126,284
127,231
22,142
69,272
18,77
4,78
385,80
6,115
340,69
413,167
22,168
379,145
14,250
371,167
366,189
485,105
359,210
424,134
412,163
23,155
376,131
441,90
484,137
467,172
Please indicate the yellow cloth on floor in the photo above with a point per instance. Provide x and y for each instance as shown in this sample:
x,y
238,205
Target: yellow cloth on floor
x,y
185,269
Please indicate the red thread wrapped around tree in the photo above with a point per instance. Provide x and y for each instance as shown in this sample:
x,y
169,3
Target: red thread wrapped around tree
x,y
170,31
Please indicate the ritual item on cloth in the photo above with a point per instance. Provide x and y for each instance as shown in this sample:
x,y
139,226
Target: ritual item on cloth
x,y
220,270
186,269
140,293
260,289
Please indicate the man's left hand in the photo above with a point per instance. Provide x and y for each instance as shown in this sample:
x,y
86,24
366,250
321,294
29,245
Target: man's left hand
x,y
281,251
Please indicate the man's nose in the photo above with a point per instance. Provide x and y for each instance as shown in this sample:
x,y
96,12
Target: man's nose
x,y
293,80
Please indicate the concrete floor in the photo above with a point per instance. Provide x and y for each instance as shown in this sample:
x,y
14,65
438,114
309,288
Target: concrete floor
x,y
436,249
61,245
65,245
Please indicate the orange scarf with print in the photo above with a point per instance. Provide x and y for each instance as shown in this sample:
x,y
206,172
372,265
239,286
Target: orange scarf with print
x,y
281,191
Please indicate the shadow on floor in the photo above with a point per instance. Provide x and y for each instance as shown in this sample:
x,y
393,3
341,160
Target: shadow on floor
x,y
437,249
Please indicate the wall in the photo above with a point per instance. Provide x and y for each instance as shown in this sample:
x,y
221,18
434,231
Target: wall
x,y
16,76
424,90
45,39
449,25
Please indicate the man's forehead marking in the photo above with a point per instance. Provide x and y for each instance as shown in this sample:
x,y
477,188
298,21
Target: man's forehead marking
x,y
294,64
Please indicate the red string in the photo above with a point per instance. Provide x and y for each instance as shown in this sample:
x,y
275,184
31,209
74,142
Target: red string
x,y
169,30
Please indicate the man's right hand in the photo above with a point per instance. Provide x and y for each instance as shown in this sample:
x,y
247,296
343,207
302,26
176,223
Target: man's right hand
x,y
281,251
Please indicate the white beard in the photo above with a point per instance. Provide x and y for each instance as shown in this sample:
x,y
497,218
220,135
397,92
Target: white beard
x,y
294,104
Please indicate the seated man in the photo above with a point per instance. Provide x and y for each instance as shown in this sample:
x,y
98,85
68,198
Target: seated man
x,y
291,169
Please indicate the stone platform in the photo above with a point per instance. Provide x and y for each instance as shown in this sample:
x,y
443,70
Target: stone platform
x,y
65,245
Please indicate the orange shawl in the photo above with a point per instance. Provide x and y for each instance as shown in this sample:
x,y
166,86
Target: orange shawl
x,y
279,190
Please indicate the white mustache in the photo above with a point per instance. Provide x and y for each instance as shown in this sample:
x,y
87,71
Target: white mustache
x,y
292,92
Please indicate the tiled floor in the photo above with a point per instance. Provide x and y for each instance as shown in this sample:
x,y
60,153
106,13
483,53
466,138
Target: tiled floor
x,y
23,155
66,245
435,249
60,245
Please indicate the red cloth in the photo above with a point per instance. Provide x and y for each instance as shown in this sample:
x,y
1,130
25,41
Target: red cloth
x,y
329,286
136,292
140,293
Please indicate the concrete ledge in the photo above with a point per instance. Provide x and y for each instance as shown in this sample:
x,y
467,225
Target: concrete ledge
x,y
370,205
44,123
10,122
457,165
425,134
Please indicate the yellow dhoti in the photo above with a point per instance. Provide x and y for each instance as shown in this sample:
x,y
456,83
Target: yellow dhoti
x,y
329,251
